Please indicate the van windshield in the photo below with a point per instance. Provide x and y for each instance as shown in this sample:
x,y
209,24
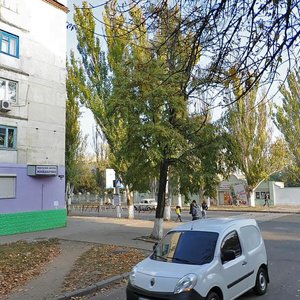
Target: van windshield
x,y
187,247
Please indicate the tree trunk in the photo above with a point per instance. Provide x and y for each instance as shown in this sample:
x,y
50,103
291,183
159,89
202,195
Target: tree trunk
x,y
158,229
179,199
68,198
130,203
157,232
251,199
167,212
201,195
131,211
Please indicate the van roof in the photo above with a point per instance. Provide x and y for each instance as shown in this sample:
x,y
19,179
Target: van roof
x,y
214,224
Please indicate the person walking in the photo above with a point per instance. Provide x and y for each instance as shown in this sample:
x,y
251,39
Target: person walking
x,y
191,207
267,197
178,213
204,208
196,211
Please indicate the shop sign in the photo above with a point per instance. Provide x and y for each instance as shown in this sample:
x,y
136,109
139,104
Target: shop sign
x,y
42,170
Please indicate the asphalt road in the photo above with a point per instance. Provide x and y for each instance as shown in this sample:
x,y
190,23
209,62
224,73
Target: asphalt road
x,y
150,215
281,233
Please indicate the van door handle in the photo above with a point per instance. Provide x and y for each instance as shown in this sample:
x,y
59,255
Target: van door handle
x,y
244,263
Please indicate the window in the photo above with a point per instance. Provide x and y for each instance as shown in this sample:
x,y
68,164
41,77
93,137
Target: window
x,y
8,90
232,243
8,137
9,43
7,186
251,236
187,247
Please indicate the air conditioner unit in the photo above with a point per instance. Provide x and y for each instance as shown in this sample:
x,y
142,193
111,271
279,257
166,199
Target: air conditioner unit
x,y
5,105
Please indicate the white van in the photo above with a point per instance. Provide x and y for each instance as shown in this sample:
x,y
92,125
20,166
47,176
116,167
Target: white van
x,y
146,205
208,259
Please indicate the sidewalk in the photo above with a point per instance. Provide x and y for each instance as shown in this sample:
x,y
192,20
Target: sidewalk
x,y
272,209
82,233
95,230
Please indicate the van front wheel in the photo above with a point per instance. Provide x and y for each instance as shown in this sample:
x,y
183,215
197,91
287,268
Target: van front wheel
x,y
261,282
212,296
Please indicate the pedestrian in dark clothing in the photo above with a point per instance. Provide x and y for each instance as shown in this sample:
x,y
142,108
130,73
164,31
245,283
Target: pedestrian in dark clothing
x,y
267,197
196,211
191,207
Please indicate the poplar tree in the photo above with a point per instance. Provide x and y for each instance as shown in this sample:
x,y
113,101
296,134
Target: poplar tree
x,y
287,120
73,137
255,154
95,76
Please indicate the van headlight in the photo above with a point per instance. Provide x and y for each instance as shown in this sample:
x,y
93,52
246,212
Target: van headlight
x,y
132,276
186,283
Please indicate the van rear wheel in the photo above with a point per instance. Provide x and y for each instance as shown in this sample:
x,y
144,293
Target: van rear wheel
x,y
212,296
261,283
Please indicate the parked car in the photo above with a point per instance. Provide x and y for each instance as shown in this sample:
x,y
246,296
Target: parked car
x,y
146,204
210,259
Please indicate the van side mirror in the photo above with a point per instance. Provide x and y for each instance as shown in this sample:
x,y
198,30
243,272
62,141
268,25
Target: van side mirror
x,y
227,255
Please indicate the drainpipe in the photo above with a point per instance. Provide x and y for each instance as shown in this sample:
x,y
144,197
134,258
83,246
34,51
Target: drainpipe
x,y
42,203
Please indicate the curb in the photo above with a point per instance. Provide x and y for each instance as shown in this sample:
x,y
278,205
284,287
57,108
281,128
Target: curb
x,y
258,211
92,288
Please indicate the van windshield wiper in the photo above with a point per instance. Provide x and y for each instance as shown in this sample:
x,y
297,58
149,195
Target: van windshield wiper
x,y
181,260
155,256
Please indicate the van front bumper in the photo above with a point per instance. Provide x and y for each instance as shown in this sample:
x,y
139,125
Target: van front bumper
x,y
134,293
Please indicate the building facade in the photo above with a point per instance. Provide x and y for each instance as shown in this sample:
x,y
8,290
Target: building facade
x,y
232,191
32,114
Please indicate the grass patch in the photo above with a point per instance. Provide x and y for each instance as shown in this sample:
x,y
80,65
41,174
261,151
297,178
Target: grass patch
x,y
22,261
102,262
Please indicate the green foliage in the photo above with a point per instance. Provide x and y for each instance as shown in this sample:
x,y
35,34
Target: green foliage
x,y
254,152
286,176
73,135
287,120
79,175
208,155
87,177
139,95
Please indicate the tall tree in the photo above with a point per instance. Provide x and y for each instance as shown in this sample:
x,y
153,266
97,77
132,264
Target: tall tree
x,y
73,136
287,120
94,79
142,110
162,133
247,121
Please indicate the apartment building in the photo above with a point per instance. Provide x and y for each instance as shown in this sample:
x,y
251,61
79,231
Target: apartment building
x,y
32,115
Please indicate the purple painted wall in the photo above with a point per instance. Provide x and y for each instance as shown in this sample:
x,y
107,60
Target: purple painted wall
x,y
33,193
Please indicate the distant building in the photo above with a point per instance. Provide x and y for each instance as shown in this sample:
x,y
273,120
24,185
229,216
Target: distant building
x,y
232,191
32,114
